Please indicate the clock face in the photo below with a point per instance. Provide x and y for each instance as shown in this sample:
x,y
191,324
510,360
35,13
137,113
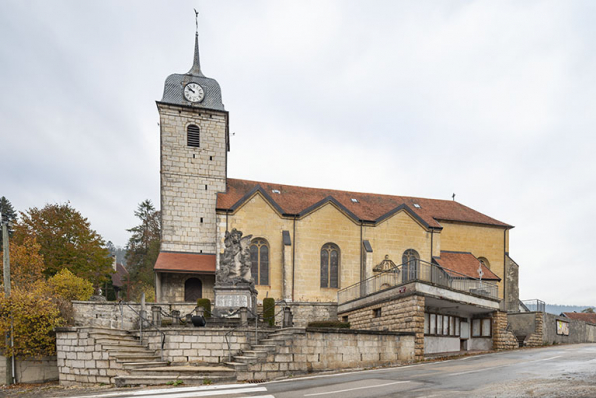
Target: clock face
x,y
193,92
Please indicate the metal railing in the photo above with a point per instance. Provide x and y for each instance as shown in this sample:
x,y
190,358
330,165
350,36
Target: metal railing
x,y
246,324
533,305
421,271
144,320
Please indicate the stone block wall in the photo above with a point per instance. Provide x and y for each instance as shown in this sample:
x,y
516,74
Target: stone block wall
x,y
80,360
404,314
305,312
503,339
183,345
111,315
536,339
314,350
31,370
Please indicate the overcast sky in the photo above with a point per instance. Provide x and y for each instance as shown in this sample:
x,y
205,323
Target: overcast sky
x,y
494,101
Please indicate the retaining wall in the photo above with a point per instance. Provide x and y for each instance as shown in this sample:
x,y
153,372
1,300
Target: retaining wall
x,y
31,370
304,312
541,329
315,349
204,344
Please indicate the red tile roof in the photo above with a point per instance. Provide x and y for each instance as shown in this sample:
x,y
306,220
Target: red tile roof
x,y
463,263
293,200
185,262
581,316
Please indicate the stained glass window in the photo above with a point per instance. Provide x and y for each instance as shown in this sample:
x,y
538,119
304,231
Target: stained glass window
x,y
330,266
259,257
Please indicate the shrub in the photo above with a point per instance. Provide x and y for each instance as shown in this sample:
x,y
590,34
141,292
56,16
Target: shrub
x,y
269,310
206,304
70,287
34,315
329,324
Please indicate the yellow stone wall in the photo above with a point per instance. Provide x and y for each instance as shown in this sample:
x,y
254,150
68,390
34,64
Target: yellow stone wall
x,y
328,224
396,235
481,240
325,225
257,218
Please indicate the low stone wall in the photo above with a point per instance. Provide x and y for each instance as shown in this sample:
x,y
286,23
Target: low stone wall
x,y
205,344
403,314
541,329
80,360
31,370
314,350
115,316
304,312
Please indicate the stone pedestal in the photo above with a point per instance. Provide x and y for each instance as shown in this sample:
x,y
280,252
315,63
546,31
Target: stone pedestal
x,y
229,298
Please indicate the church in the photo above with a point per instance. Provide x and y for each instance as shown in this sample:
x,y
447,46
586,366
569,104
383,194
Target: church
x,y
307,244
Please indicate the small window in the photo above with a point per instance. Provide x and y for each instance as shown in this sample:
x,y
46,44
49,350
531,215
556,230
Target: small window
x,y
446,325
426,323
377,313
476,328
486,323
193,136
344,319
416,205
354,200
433,323
451,326
277,191
484,262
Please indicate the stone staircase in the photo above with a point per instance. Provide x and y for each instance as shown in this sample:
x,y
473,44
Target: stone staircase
x,y
132,364
261,361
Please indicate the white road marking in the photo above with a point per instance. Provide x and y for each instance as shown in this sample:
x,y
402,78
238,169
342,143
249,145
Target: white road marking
x,y
545,359
356,388
190,392
165,391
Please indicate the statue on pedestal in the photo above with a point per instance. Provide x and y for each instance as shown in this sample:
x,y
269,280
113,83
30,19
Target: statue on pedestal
x,y
234,286
235,263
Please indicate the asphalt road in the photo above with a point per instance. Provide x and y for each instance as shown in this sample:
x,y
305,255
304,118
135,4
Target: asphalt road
x,y
558,371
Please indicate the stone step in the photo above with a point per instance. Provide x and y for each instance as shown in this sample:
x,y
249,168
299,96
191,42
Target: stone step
x,y
135,357
238,366
186,370
146,364
112,341
125,347
245,358
103,334
115,332
128,381
265,347
255,353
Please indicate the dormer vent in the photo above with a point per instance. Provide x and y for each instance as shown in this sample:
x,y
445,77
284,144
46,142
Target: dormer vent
x,y
277,191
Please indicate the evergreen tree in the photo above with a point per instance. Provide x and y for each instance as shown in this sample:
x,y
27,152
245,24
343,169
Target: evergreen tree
x,y
9,214
143,245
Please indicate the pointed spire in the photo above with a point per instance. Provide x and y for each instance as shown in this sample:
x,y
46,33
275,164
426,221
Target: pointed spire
x,y
196,66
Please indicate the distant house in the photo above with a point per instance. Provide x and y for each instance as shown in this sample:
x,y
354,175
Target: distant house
x,y
580,316
120,280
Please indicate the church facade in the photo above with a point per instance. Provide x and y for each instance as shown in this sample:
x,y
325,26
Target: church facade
x,y
307,244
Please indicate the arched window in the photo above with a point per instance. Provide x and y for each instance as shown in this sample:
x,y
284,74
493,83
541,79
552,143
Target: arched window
x,y
193,290
330,266
259,257
411,265
484,262
193,136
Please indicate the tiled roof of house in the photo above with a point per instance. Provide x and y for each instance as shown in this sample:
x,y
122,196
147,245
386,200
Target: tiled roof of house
x,y
581,316
119,276
293,200
464,263
185,262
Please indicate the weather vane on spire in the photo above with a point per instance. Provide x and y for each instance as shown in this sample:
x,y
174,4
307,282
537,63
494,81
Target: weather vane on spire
x,y
197,21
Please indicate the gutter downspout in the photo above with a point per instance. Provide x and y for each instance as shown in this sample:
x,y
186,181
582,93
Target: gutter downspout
x,y
293,257
362,263
505,267
432,235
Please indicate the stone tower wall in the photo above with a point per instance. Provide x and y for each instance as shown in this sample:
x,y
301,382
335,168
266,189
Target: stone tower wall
x,y
191,177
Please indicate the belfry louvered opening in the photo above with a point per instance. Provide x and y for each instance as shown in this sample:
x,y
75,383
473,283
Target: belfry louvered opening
x,y
193,136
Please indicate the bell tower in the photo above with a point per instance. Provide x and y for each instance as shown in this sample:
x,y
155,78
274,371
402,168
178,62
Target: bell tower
x,y
194,145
